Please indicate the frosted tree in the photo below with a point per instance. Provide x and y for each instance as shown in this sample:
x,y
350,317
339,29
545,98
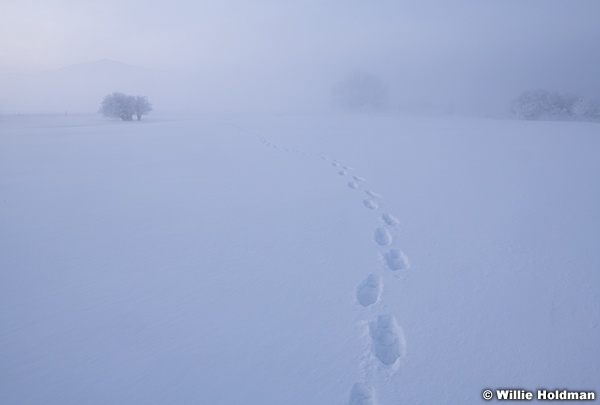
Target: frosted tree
x,y
119,105
543,105
142,106
587,109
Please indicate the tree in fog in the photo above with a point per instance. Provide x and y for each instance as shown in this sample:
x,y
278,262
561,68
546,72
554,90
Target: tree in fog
x,y
587,109
546,105
142,106
119,105
361,92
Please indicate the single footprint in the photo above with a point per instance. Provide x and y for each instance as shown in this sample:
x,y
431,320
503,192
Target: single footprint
x,y
353,185
358,178
382,237
390,219
336,164
370,204
369,290
387,339
348,168
362,394
373,194
342,172
396,260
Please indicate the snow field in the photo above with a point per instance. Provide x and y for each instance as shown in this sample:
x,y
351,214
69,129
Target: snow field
x,y
226,259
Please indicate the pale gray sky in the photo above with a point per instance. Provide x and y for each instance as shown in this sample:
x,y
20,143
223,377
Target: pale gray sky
x,y
431,47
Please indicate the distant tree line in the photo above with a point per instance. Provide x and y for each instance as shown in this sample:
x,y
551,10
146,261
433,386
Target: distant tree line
x,y
119,105
546,105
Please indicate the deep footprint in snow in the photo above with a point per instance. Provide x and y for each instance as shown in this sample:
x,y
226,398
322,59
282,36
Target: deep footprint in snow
x,y
390,220
396,260
362,394
342,172
353,185
382,237
370,204
373,194
369,290
387,339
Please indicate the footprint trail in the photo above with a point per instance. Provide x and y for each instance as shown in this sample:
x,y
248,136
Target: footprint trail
x,y
385,342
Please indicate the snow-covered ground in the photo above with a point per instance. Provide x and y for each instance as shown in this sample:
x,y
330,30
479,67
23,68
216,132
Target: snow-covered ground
x,y
296,259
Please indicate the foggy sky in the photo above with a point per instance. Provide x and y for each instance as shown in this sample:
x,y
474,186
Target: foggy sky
x,y
466,52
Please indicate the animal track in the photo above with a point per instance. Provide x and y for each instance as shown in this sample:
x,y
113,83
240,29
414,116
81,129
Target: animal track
x,y
390,219
362,394
369,290
358,178
342,172
382,237
370,204
387,339
396,260
353,185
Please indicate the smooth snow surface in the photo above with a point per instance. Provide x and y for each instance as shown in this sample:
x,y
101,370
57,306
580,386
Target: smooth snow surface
x,y
306,259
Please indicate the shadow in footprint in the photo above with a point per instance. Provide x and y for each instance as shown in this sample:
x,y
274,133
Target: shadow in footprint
x,y
387,339
369,290
382,237
370,203
390,220
362,394
396,260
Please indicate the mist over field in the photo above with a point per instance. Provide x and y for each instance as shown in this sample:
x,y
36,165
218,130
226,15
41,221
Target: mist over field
x,y
460,57
312,202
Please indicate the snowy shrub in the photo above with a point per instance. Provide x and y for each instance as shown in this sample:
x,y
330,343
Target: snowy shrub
x,y
361,92
119,105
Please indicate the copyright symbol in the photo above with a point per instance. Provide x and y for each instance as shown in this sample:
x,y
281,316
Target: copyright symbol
x,y
487,395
